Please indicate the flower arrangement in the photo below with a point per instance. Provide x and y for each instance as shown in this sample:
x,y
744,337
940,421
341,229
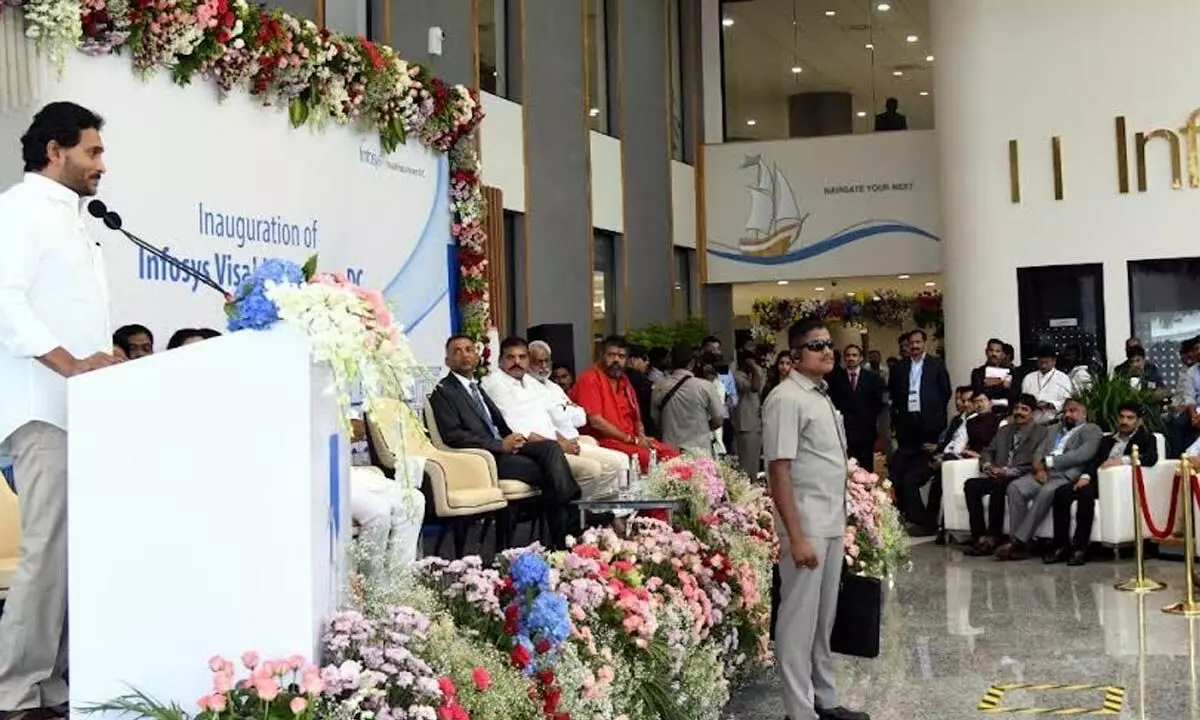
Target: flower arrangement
x,y
875,542
691,477
318,76
350,327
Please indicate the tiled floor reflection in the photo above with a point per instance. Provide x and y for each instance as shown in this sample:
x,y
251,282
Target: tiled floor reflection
x,y
953,626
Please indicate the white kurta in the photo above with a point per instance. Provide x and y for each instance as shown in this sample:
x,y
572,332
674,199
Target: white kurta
x,y
53,293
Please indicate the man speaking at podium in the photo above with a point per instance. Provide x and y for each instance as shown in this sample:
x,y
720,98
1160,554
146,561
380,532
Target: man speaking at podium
x,y
54,324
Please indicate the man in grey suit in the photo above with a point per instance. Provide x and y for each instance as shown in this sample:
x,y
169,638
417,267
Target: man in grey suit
x,y
1064,455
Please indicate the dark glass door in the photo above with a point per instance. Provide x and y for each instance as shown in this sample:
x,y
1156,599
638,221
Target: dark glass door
x,y
1062,305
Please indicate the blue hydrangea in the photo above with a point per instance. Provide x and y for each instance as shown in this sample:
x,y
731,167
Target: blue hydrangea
x,y
548,619
252,309
529,571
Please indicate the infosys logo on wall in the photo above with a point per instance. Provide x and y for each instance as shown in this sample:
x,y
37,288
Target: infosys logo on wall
x,y
376,159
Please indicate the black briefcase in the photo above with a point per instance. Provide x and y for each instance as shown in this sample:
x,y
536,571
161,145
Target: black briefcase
x,y
859,617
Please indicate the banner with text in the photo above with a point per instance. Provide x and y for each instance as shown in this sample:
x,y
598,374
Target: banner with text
x,y
226,185
822,207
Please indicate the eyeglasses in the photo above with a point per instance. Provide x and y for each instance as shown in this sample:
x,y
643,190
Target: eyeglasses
x,y
816,346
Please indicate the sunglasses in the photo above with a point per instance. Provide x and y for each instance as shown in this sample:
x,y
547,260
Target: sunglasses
x,y
816,346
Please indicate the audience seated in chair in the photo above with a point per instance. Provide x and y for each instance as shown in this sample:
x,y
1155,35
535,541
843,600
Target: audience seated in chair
x,y
913,473
1066,451
467,418
1009,456
1114,451
389,515
523,402
614,417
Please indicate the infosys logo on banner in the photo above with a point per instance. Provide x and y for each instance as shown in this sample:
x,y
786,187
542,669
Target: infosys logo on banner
x,y
372,156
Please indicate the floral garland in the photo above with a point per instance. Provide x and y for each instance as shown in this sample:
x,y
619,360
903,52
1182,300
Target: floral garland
x,y
318,76
884,308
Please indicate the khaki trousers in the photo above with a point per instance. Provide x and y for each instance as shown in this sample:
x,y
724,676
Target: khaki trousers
x,y
33,629
807,608
596,470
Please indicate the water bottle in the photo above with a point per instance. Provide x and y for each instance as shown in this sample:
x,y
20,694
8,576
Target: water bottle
x,y
653,459
635,474
623,483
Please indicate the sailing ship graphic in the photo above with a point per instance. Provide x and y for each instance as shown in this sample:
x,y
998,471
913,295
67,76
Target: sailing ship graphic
x,y
775,221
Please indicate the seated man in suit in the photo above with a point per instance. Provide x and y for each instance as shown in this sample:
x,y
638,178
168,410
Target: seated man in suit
x,y
467,418
922,516
1115,450
1009,456
981,427
1069,445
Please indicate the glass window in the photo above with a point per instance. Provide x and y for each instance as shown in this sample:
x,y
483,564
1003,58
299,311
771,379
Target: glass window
x,y
597,62
604,286
493,76
1164,310
509,317
684,300
675,57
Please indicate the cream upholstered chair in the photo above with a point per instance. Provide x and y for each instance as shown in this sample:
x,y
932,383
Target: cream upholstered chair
x,y
461,486
10,537
520,495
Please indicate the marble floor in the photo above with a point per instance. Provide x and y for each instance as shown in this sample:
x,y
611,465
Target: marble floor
x,y
954,626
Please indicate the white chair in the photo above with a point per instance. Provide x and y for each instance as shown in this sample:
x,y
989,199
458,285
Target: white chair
x,y
10,537
955,474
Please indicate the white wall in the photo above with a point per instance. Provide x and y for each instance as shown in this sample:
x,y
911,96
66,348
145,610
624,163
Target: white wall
x,y
608,202
683,204
1028,70
502,149
869,205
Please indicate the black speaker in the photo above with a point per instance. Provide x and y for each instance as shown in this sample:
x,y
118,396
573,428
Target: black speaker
x,y
561,339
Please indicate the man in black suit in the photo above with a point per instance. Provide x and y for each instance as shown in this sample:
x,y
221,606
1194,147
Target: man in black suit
x,y
858,394
467,418
995,378
1115,450
920,393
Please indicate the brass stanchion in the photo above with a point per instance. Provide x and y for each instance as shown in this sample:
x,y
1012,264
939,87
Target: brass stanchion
x,y
1140,583
1188,607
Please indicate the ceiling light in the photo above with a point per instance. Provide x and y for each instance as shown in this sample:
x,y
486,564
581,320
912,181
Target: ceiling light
x,y
903,277
876,298
861,113
594,112
781,282
897,73
830,13
931,284
819,289
751,123
924,93
849,294
796,69
870,46
727,22
883,7
912,38
928,58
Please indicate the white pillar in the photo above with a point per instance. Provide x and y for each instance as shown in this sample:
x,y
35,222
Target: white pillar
x,y
710,46
1029,70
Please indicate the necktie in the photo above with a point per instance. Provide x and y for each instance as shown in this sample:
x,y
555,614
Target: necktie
x,y
854,380
483,408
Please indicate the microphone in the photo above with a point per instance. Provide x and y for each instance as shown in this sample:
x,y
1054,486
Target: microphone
x,y
111,220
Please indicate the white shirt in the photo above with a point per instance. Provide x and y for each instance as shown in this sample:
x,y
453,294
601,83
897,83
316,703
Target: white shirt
x,y
567,416
521,404
958,443
53,293
1053,387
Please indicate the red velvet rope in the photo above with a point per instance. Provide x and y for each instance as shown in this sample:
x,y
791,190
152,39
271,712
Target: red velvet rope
x,y
1141,490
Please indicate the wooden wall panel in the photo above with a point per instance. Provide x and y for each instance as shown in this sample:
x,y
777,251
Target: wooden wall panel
x,y
497,270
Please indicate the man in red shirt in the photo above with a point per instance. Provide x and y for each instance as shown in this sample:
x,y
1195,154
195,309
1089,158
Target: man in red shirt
x,y
613,415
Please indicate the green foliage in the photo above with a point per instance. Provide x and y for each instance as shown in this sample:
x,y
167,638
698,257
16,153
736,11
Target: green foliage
x,y
1106,394
689,332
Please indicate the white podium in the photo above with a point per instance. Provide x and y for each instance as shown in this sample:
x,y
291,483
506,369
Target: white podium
x,y
209,513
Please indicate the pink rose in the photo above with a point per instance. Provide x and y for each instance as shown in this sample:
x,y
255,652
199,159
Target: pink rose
x,y
250,660
298,705
222,682
311,682
267,688
216,663
212,703
481,678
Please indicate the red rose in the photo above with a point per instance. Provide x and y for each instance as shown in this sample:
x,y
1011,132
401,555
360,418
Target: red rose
x,y
543,646
552,699
482,680
546,677
446,685
520,656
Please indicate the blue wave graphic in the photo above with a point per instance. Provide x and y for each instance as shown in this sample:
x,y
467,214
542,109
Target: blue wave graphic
x,y
422,283
854,233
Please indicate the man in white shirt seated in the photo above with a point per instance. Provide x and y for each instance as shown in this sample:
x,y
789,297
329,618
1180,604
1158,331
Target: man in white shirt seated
x,y
389,515
1049,386
532,408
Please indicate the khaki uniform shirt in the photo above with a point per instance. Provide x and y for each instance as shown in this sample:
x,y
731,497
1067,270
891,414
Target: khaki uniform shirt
x,y
801,424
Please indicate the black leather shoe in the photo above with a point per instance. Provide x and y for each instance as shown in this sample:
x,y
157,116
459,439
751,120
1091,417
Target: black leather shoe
x,y
1056,556
1078,557
841,713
